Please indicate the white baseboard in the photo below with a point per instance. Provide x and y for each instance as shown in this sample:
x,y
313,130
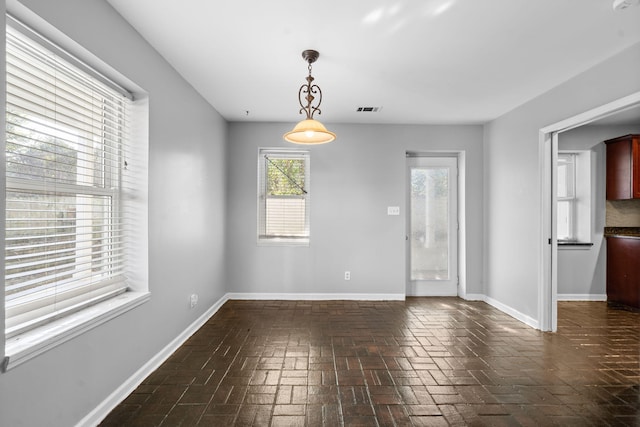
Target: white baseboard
x,y
473,297
100,412
527,320
582,297
316,297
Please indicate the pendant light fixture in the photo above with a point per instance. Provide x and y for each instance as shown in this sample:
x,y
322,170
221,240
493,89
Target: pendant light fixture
x,y
309,130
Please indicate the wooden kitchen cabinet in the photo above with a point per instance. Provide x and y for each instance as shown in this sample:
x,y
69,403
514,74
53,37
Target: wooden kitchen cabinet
x,y
623,167
623,270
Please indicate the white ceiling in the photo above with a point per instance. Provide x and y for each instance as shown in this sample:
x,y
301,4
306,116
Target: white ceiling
x,y
422,61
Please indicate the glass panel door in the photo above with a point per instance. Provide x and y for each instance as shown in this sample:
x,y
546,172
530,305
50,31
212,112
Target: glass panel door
x,y
432,235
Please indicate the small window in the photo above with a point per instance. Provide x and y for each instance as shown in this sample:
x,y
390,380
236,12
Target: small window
x,y
574,197
283,197
566,196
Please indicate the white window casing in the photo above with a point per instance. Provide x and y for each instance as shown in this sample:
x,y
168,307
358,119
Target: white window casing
x,y
574,197
283,197
72,174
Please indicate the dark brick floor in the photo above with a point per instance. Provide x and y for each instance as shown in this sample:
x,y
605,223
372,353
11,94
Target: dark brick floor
x,y
423,362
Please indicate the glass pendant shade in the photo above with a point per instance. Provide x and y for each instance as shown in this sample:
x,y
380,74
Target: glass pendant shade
x,y
309,131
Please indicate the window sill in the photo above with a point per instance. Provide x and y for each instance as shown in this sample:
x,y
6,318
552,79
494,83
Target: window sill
x,y
574,245
30,344
282,241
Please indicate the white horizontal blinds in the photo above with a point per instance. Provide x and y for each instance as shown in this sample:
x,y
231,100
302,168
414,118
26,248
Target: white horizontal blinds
x,y
284,210
66,135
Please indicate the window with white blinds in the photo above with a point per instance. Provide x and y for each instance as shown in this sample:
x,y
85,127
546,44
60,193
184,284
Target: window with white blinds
x,y
566,196
574,195
66,160
283,197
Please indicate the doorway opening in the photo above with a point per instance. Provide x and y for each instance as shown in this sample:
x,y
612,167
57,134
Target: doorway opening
x,y
548,144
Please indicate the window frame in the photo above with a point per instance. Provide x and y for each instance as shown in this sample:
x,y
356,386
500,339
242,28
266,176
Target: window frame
x,y
581,201
29,343
262,224
570,160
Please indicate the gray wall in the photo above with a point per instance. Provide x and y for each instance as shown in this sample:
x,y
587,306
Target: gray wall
x,y
512,179
582,271
186,229
353,180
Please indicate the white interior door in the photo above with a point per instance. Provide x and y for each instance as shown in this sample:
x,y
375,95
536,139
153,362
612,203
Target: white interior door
x,y
432,237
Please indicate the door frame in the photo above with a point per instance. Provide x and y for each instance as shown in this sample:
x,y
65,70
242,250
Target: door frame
x,y
548,155
460,155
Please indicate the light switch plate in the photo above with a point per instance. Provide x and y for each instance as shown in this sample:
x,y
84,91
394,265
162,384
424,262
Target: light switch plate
x,y
393,210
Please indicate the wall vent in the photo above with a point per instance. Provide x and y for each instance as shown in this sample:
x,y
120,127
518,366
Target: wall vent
x,y
368,109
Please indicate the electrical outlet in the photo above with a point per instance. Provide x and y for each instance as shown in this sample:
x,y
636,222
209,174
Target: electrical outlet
x,y
347,275
193,300
393,210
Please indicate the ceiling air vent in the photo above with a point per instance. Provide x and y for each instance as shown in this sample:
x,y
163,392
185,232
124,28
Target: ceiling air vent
x,y
368,109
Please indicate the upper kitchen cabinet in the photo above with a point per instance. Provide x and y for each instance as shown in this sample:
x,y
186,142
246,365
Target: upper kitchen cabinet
x,y
623,167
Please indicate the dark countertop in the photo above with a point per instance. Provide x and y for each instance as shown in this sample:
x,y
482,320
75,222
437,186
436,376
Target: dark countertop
x,y
572,243
622,232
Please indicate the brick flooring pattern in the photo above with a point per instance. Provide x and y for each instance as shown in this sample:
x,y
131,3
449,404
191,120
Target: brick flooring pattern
x,y
419,362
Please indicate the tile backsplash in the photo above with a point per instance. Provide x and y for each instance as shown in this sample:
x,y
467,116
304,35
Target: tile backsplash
x,y
623,213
